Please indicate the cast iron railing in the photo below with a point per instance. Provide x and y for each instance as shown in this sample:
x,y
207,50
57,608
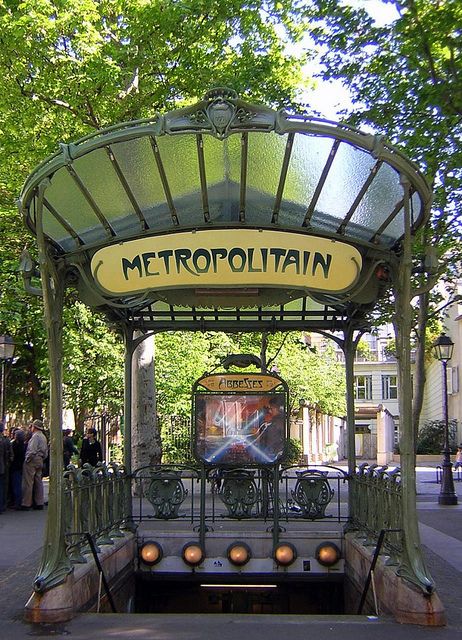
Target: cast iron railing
x,y
376,505
95,499
94,504
182,492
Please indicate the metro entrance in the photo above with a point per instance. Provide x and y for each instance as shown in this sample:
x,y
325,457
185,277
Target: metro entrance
x,y
227,216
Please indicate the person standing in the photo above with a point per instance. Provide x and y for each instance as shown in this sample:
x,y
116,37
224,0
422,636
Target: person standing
x,y
36,452
18,447
458,460
69,447
5,459
91,452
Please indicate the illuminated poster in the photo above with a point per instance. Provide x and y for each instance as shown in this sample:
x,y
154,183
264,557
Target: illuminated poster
x,y
240,428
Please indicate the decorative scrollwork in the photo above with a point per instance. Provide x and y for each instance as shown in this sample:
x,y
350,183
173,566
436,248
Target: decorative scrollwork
x,y
312,494
199,117
220,113
243,115
166,493
239,493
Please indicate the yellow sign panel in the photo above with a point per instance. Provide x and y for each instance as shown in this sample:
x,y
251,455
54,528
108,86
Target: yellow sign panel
x,y
227,258
240,382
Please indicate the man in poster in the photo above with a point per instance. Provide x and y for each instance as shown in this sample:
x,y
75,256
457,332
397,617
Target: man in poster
x,y
240,429
271,431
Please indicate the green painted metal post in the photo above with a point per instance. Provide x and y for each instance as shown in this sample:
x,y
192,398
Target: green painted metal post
x,y
349,344
349,349
275,506
202,524
412,563
128,382
55,564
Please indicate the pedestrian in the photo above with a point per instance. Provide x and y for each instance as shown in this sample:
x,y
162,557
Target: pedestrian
x,y
91,452
18,447
5,459
458,461
36,452
69,447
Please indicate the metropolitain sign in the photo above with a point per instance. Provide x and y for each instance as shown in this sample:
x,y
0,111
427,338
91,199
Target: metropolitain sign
x,y
227,258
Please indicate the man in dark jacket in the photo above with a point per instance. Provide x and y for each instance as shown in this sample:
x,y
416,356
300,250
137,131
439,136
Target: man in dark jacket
x,y
69,447
18,447
5,459
91,452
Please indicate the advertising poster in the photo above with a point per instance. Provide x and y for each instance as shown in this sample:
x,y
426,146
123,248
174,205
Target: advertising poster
x,y
240,428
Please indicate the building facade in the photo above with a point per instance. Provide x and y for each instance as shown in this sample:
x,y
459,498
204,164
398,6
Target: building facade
x,y
433,406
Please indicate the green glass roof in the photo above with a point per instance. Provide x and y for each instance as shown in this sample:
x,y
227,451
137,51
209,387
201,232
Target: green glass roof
x,y
224,163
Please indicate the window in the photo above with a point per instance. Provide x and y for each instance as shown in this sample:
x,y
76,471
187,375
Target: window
x,y
363,387
389,387
453,380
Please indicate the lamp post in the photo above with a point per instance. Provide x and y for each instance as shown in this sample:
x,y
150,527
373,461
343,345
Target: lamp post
x,y
443,348
7,347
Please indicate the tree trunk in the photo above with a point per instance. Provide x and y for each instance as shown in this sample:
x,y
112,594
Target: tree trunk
x,y
420,376
146,441
80,415
35,391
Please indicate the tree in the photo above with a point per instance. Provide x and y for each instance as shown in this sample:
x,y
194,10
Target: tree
x,y
69,68
312,375
93,369
21,317
184,357
405,80
145,430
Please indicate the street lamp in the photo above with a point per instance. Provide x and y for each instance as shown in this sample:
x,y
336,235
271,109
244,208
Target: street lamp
x,y
7,347
443,348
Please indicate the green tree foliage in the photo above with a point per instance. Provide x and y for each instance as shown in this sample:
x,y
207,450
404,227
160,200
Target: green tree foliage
x,y
312,375
405,79
430,439
20,317
182,358
363,350
84,64
93,364
68,68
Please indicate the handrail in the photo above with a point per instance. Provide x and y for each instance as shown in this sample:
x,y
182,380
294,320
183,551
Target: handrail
x,y
376,505
94,552
375,557
93,499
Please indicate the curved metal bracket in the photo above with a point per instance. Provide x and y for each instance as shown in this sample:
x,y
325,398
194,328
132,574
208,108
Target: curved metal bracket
x,y
29,269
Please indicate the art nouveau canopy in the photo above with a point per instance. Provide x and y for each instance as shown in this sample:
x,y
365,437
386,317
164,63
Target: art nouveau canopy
x,y
227,214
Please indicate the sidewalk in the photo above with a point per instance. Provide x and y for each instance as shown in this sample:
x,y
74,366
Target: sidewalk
x,y
21,538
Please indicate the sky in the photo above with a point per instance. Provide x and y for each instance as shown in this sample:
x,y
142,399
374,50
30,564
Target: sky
x,y
329,98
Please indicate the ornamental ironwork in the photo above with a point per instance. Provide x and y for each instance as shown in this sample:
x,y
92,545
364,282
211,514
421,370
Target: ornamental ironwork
x,y
166,493
312,494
